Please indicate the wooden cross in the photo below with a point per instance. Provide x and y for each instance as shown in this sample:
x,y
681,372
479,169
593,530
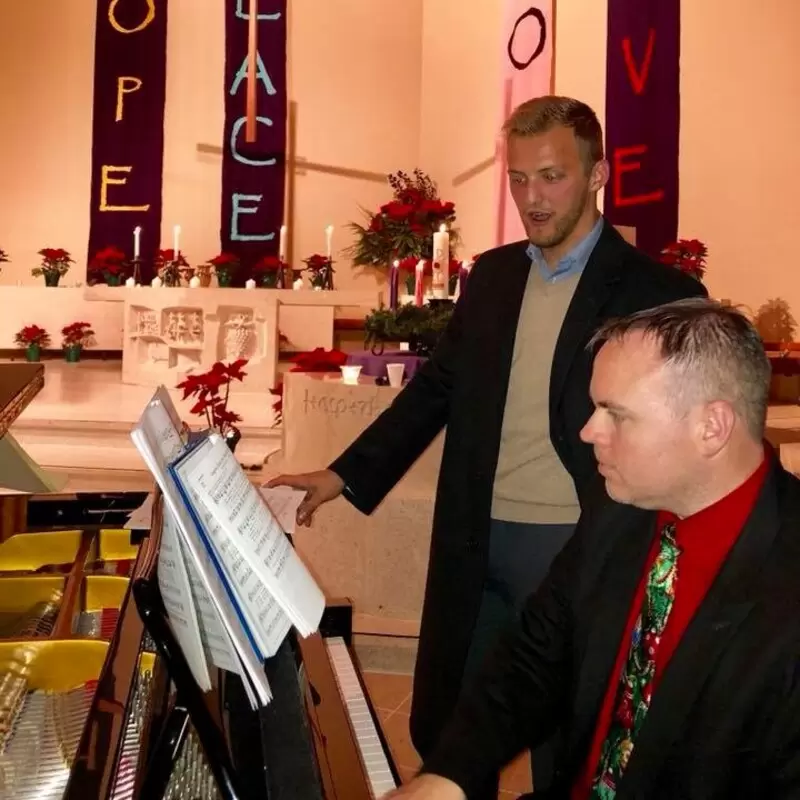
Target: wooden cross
x,y
252,63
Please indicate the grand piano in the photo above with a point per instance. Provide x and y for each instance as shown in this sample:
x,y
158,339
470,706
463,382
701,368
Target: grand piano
x,y
96,700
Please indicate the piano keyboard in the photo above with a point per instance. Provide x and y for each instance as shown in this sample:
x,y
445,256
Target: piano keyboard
x,y
369,743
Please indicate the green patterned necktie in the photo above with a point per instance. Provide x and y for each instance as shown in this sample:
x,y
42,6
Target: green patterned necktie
x,y
636,683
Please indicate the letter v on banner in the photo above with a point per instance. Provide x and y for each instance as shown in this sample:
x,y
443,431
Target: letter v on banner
x,y
526,72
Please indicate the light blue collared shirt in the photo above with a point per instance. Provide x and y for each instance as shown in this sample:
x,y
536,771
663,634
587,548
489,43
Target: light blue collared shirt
x,y
573,263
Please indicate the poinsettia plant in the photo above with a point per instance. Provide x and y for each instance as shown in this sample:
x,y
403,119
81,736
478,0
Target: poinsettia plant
x,y
317,360
271,273
225,265
687,255
320,271
109,264
211,391
76,333
32,334
55,261
405,225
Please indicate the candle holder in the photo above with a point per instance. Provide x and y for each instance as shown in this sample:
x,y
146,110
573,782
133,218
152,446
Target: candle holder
x,y
137,270
170,273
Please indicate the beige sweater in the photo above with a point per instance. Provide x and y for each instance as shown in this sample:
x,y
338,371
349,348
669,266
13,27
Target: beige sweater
x,y
531,485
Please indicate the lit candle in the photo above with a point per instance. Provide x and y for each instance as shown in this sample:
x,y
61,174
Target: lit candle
x,y
156,282
130,283
441,254
329,241
418,291
176,240
282,248
249,284
137,232
194,283
394,280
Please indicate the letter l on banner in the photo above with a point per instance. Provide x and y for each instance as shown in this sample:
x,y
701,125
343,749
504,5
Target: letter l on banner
x,y
526,72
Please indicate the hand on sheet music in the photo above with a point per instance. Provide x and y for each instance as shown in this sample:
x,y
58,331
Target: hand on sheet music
x,y
427,787
320,487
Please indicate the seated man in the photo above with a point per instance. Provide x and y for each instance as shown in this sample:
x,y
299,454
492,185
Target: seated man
x,y
665,642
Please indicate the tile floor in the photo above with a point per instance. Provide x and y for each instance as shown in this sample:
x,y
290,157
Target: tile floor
x,y
391,696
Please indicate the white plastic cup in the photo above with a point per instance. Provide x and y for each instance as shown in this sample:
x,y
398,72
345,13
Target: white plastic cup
x,y
350,373
395,373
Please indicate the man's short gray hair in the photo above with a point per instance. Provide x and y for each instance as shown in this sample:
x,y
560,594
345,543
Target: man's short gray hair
x,y
716,352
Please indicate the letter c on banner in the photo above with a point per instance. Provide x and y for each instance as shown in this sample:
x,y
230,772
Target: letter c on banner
x,y
539,16
112,17
235,130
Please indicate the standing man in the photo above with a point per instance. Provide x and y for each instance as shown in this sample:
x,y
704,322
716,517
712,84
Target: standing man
x,y
510,380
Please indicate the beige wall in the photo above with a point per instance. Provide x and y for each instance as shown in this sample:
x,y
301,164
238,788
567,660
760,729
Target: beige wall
x,y
384,85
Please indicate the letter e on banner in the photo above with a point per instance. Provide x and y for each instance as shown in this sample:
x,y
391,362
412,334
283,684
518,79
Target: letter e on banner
x,y
526,72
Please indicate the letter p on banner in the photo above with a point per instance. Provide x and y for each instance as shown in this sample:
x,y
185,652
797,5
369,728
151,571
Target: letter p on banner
x,y
526,72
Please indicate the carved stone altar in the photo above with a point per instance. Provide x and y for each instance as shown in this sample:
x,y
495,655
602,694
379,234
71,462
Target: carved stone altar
x,y
172,333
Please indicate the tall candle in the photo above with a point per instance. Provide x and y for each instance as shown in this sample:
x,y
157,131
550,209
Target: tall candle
x,y
441,254
176,241
394,280
282,248
137,232
418,291
329,241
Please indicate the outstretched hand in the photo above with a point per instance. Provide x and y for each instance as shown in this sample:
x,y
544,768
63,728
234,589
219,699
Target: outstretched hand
x,y
320,487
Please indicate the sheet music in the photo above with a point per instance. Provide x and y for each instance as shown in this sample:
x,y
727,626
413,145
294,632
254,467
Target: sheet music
x,y
157,438
140,518
225,491
283,502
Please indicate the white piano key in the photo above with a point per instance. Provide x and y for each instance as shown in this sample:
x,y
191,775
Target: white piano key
x,y
369,743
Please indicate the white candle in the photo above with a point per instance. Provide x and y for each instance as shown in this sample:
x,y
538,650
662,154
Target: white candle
x,y
441,255
418,288
249,284
156,282
329,241
194,283
298,284
282,248
176,240
130,283
137,232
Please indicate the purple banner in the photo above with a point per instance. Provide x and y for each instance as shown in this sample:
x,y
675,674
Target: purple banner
x,y
643,119
253,174
130,71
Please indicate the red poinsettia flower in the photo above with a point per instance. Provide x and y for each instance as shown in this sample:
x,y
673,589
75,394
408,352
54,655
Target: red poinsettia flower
x,y
687,255
32,334
210,402
268,264
397,210
76,333
55,254
226,260
319,360
624,714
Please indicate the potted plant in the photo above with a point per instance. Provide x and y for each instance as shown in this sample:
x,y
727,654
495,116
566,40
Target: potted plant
x,y
211,391
270,273
320,271
75,337
687,255
55,263
108,266
169,268
225,265
33,339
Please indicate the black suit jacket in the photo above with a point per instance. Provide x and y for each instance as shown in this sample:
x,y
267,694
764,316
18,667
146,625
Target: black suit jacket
x,y
725,719
464,386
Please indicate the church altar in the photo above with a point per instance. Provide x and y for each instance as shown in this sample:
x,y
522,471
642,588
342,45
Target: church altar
x,y
305,317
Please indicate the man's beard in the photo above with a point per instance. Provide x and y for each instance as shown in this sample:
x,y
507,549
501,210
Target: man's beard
x,y
564,226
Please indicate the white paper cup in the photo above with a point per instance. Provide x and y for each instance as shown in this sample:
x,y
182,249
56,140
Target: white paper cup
x,y
395,373
350,373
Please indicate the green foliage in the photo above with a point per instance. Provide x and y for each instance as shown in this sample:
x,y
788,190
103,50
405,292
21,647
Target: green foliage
x,y
420,325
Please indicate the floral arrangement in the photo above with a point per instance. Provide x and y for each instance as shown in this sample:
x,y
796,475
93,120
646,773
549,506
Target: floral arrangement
x,y
420,326
211,391
55,263
225,265
320,270
687,255
271,273
169,268
317,360
109,263
32,335
404,226
76,334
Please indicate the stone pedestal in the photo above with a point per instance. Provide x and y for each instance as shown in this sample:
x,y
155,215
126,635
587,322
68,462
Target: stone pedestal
x,y
172,333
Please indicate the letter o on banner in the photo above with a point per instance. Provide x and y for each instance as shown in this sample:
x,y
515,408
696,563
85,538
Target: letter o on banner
x,y
540,18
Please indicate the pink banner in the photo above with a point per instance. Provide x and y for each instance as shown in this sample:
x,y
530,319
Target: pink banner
x,y
526,72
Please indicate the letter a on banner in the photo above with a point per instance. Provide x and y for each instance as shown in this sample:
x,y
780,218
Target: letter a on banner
x,y
526,72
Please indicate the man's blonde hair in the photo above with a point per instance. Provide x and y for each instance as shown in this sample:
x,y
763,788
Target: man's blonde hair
x,y
545,113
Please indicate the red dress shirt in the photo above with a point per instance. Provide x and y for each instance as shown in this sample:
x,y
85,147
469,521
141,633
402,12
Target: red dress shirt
x,y
705,539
